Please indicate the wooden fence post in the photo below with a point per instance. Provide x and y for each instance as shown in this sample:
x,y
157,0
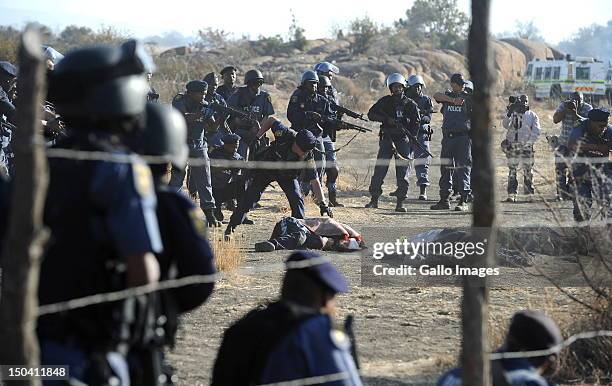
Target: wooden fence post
x,y
476,368
26,233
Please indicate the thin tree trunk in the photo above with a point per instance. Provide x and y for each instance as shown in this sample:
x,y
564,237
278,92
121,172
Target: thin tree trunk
x,y
26,233
476,369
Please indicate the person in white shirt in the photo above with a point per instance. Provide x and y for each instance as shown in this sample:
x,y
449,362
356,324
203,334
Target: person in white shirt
x,y
523,130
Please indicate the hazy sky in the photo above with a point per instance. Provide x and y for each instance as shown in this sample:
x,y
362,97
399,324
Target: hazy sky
x,y
555,19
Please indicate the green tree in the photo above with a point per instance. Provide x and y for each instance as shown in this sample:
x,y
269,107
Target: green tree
x,y
364,32
594,40
439,20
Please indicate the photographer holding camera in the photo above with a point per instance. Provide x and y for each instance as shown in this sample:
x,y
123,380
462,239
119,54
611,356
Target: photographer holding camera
x,y
523,130
570,113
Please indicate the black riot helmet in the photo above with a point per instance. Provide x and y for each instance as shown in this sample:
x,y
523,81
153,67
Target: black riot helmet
x,y
252,76
165,134
101,82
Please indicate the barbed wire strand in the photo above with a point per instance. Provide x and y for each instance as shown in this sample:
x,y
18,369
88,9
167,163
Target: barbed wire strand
x,y
318,380
251,164
153,287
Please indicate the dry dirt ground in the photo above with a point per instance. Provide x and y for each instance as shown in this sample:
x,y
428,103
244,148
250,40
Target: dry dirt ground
x,y
406,335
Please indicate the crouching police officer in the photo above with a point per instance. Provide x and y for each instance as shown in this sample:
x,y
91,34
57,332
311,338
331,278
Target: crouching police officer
x,y
308,110
397,114
288,146
523,130
416,84
292,338
186,251
529,330
456,143
191,105
592,138
101,214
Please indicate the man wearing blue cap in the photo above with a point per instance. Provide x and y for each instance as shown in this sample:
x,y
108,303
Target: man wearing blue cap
x,y
191,105
289,146
529,330
292,338
592,138
227,181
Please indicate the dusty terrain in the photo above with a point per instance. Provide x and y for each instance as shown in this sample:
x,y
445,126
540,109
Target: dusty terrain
x,y
406,335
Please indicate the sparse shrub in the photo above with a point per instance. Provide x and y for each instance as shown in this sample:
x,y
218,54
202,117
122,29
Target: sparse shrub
x,y
364,31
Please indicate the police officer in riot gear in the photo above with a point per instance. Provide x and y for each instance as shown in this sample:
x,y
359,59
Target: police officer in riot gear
x,y
329,137
456,143
416,84
101,214
186,249
396,113
191,105
328,70
307,110
255,102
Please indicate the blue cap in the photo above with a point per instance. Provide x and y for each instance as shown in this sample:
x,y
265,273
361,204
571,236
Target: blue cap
x,y
599,115
8,69
197,86
230,138
305,140
320,267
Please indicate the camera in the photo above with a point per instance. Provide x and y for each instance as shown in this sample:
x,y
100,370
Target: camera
x,y
518,104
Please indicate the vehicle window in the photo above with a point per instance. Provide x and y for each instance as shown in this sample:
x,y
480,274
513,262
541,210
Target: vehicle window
x,y
583,73
547,72
538,75
556,72
529,70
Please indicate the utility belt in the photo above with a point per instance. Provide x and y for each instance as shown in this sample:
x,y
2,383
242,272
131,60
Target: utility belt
x,y
454,134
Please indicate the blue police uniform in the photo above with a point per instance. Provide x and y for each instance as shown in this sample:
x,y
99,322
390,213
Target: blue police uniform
x,y
198,148
99,213
329,137
186,249
7,108
424,136
517,372
590,178
213,137
456,146
227,182
259,105
226,92
392,139
287,179
299,104
312,349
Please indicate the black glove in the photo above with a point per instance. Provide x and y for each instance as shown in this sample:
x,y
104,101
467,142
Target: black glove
x,y
326,210
312,115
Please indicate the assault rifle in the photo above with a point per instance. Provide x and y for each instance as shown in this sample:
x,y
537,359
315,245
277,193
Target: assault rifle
x,y
413,139
228,110
350,113
347,126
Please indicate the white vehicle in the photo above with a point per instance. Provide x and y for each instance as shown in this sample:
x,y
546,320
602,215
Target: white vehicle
x,y
558,78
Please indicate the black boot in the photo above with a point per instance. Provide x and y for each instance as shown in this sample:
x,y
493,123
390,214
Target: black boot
x,y
423,194
219,214
333,202
373,203
399,207
211,220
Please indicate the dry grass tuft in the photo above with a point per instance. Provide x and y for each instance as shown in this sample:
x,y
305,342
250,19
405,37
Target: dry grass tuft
x,y
229,255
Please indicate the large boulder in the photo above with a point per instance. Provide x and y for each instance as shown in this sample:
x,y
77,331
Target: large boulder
x,y
509,63
533,49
